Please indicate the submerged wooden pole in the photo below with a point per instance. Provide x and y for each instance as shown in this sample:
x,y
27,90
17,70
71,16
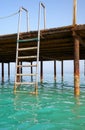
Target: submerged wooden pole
x,y
18,72
62,69
31,71
21,70
55,70
76,55
76,67
2,72
41,71
8,71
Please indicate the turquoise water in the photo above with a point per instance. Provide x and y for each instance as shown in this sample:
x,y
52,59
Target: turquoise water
x,y
54,108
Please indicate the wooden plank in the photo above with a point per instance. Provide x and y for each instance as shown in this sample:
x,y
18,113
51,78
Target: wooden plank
x,y
55,42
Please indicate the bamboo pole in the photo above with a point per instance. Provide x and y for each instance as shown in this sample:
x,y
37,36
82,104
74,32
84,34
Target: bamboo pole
x,y
76,68
55,70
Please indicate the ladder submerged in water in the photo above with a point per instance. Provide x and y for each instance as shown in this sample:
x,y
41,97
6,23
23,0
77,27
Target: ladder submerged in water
x,y
34,57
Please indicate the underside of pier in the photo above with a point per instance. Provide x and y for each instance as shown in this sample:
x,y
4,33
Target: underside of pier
x,y
55,44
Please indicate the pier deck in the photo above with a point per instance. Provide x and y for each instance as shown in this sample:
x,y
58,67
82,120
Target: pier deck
x,y
56,43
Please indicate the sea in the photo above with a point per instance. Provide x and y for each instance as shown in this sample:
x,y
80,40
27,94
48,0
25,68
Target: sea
x,y
54,108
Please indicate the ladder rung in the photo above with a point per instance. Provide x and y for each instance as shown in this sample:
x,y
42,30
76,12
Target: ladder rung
x,y
27,83
30,48
28,40
26,74
27,57
20,66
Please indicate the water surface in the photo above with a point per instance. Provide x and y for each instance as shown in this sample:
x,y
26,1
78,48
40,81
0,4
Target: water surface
x,y
54,108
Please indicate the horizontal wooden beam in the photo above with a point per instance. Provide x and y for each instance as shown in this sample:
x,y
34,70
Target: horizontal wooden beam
x,y
79,38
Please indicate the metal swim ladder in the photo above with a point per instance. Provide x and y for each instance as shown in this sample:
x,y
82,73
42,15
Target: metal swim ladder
x,y
20,58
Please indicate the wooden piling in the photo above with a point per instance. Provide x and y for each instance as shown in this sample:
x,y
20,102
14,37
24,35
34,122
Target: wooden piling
x,y
55,70
31,72
18,72
21,70
8,71
62,70
76,67
76,54
41,71
74,11
2,72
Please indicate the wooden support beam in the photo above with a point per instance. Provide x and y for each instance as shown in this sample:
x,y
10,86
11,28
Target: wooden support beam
x,y
18,71
74,12
55,70
8,71
2,72
62,69
81,41
21,70
41,71
76,67
79,38
31,72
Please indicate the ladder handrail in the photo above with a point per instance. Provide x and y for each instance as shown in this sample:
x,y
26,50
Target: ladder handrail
x,y
24,9
19,22
44,9
27,15
41,5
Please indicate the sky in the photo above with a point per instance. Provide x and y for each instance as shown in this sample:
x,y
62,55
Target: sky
x,y
58,13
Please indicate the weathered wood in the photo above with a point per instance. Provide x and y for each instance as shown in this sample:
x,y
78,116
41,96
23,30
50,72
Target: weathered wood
x,y
74,11
41,71
62,70
76,67
55,44
81,41
8,71
79,38
19,71
31,72
2,72
55,70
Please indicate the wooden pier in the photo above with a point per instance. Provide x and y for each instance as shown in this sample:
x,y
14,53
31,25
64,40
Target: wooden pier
x,y
56,43
63,43
60,43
